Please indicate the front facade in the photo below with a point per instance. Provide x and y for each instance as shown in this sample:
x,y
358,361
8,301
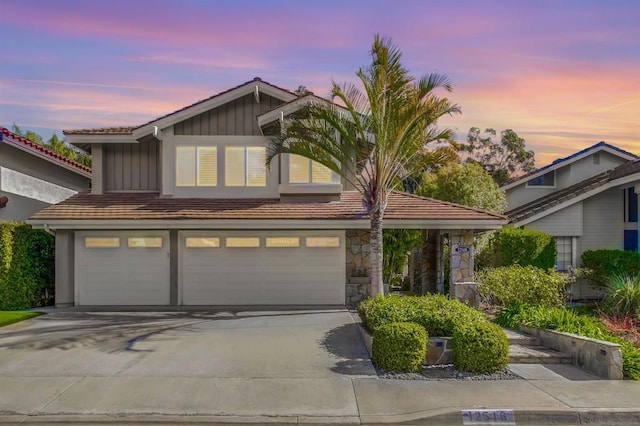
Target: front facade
x,y
183,211
33,177
587,201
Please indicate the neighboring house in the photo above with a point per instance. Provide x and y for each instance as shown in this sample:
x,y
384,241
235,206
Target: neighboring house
x,y
587,201
183,211
33,177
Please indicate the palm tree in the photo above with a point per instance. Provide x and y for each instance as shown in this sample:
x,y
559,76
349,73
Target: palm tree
x,y
375,137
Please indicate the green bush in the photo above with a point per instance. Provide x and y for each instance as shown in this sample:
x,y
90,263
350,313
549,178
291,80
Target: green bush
x,y
399,346
480,347
569,321
26,266
515,246
622,295
437,313
601,265
525,284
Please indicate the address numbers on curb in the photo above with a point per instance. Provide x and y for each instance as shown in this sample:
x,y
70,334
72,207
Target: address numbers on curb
x,y
488,417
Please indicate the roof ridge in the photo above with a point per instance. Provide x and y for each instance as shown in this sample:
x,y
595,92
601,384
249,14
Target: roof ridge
x,y
41,147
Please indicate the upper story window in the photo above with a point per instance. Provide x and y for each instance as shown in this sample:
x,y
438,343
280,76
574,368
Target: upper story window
x,y
547,179
304,170
196,166
245,166
630,205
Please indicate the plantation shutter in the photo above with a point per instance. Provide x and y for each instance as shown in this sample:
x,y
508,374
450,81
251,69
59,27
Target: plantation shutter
x,y
298,169
185,166
256,166
207,166
234,170
320,173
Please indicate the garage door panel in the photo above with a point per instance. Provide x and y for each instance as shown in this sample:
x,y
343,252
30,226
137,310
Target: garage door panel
x,y
122,275
262,275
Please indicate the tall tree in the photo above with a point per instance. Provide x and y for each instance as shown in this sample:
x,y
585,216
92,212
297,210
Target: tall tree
x,y
503,159
469,185
377,138
55,144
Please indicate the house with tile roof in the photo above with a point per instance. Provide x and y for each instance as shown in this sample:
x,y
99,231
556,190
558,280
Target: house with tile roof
x,y
183,211
33,177
587,201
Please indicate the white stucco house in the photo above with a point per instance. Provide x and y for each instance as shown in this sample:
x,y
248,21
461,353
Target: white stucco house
x,y
33,177
183,211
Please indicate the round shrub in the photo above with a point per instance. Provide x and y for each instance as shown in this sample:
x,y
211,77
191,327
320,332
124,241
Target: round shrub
x,y
399,346
480,347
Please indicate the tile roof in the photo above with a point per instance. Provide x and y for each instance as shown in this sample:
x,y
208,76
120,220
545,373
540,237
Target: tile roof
x,y
7,136
555,198
595,147
146,206
101,131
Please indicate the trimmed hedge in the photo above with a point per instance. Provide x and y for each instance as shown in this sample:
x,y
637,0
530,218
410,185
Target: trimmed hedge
x,y
526,284
602,265
515,246
480,347
27,277
570,322
400,346
437,313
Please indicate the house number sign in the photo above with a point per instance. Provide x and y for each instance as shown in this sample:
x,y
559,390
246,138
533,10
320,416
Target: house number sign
x,y
488,417
462,249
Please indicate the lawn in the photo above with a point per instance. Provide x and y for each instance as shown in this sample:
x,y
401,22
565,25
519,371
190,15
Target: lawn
x,y
10,317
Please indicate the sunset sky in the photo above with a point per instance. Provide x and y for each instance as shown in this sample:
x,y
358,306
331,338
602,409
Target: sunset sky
x,y
562,74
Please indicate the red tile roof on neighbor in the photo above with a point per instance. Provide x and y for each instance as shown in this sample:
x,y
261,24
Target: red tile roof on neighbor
x,y
9,137
146,206
127,130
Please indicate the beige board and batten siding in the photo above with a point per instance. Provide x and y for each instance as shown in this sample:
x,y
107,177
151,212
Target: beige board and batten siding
x,y
563,223
132,167
110,269
237,117
217,274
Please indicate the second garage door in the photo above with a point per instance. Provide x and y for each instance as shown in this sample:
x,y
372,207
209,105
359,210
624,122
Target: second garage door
x,y
262,268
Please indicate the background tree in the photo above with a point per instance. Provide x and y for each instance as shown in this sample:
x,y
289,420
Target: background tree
x,y
375,140
56,145
469,184
503,159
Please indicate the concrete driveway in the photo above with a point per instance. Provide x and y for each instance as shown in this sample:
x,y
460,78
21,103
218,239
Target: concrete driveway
x,y
198,344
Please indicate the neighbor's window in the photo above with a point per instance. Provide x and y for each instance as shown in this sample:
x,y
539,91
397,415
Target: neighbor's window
x,y
242,242
630,205
202,242
303,170
323,241
102,242
245,166
283,242
146,242
565,253
196,166
547,179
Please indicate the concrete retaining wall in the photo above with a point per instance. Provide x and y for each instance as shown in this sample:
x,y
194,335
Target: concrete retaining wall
x,y
603,359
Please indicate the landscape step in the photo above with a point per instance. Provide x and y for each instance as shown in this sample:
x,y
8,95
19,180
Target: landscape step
x,y
519,338
523,354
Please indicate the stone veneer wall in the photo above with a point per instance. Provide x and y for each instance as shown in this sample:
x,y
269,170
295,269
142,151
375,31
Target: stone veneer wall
x,y
358,249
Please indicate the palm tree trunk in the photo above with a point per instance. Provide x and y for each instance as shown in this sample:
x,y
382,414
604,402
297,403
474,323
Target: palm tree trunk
x,y
376,253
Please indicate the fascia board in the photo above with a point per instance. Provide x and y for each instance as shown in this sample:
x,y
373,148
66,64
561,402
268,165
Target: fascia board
x,y
262,224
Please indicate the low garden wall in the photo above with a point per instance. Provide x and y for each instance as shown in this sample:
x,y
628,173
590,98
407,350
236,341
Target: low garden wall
x,y
603,359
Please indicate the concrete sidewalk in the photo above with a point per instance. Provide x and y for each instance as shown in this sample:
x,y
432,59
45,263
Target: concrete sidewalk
x,y
554,398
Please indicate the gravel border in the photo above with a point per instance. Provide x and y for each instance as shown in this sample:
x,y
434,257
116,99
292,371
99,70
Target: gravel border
x,y
447,372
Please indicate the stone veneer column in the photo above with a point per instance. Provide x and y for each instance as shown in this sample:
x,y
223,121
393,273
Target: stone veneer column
x,y
461,243
357,262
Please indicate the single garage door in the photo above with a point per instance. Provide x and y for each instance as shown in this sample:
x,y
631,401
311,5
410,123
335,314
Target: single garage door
x,y
262,268
122,268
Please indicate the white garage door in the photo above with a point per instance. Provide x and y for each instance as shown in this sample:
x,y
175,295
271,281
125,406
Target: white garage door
x,y
122,268
262,268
